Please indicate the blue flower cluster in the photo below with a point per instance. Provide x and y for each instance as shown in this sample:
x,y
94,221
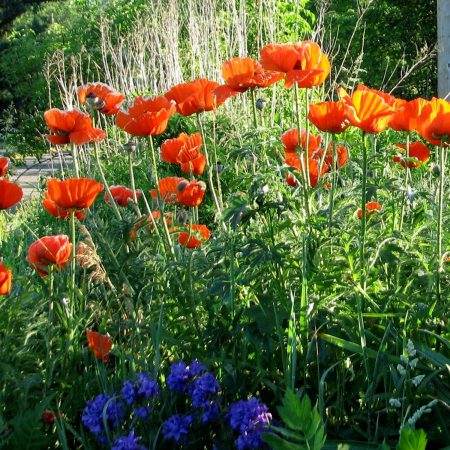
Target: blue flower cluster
x,y
139,392
202,389
103,409
109,417
249,418
181,375
130,442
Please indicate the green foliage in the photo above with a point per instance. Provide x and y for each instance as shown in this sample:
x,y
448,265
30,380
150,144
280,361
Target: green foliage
x,y
305,429
411,439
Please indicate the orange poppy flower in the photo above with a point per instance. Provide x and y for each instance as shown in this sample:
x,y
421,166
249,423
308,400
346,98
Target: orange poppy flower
x,y
10,194
195,237
368,109
289,140
73,193
329,116
194,97
407,115
371,208
99,344
190,193
5,280
419,153
342,156
171,147
121,194
4,163
71,126
241,74
189,156
56,211
49,251
167,189
293,160
101,98
303,63
434,121
146,116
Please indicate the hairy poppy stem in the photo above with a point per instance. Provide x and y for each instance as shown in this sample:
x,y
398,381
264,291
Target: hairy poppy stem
x,y
302,161
156,179
209,171
75,159
439,220
133,184
402,211
105,183
255,118
74,254
362,239
333,185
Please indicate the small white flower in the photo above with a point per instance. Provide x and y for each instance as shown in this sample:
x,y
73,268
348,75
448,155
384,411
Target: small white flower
x,y
413,363
410,348
401,369
417,380
404,359
395,402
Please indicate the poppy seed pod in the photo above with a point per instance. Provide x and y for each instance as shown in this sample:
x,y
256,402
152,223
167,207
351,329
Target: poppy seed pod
x,y
95,102
410,194
435,170
182,216
260,104
130,146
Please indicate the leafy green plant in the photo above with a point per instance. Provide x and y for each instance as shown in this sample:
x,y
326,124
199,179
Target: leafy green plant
x,y
305,428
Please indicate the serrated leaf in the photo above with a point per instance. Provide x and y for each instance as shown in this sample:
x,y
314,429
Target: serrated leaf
x,y
412,439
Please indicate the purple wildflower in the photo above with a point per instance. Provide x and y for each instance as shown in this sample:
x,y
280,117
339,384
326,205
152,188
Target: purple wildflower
x,y
142,389
177,427
249,418
181,374
130,442
204,390
94,413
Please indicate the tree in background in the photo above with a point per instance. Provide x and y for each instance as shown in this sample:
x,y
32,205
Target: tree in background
x,y
392,37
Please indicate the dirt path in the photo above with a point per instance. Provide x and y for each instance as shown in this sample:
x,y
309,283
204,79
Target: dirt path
x,y
33,173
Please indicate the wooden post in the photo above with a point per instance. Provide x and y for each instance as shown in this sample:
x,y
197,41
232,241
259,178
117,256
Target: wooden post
x,y
443,31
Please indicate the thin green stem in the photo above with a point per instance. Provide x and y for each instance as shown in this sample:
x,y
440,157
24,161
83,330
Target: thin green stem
x,y
441,151
302,153
362,240
333,187
255,118
154,163
76,164
74,253
209,172
402,211
156,180
133,185
105,183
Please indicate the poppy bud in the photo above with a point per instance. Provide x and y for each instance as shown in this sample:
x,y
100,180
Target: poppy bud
x,y
410,194
130,146
219,167
95,102
182,216
435,170
260,104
